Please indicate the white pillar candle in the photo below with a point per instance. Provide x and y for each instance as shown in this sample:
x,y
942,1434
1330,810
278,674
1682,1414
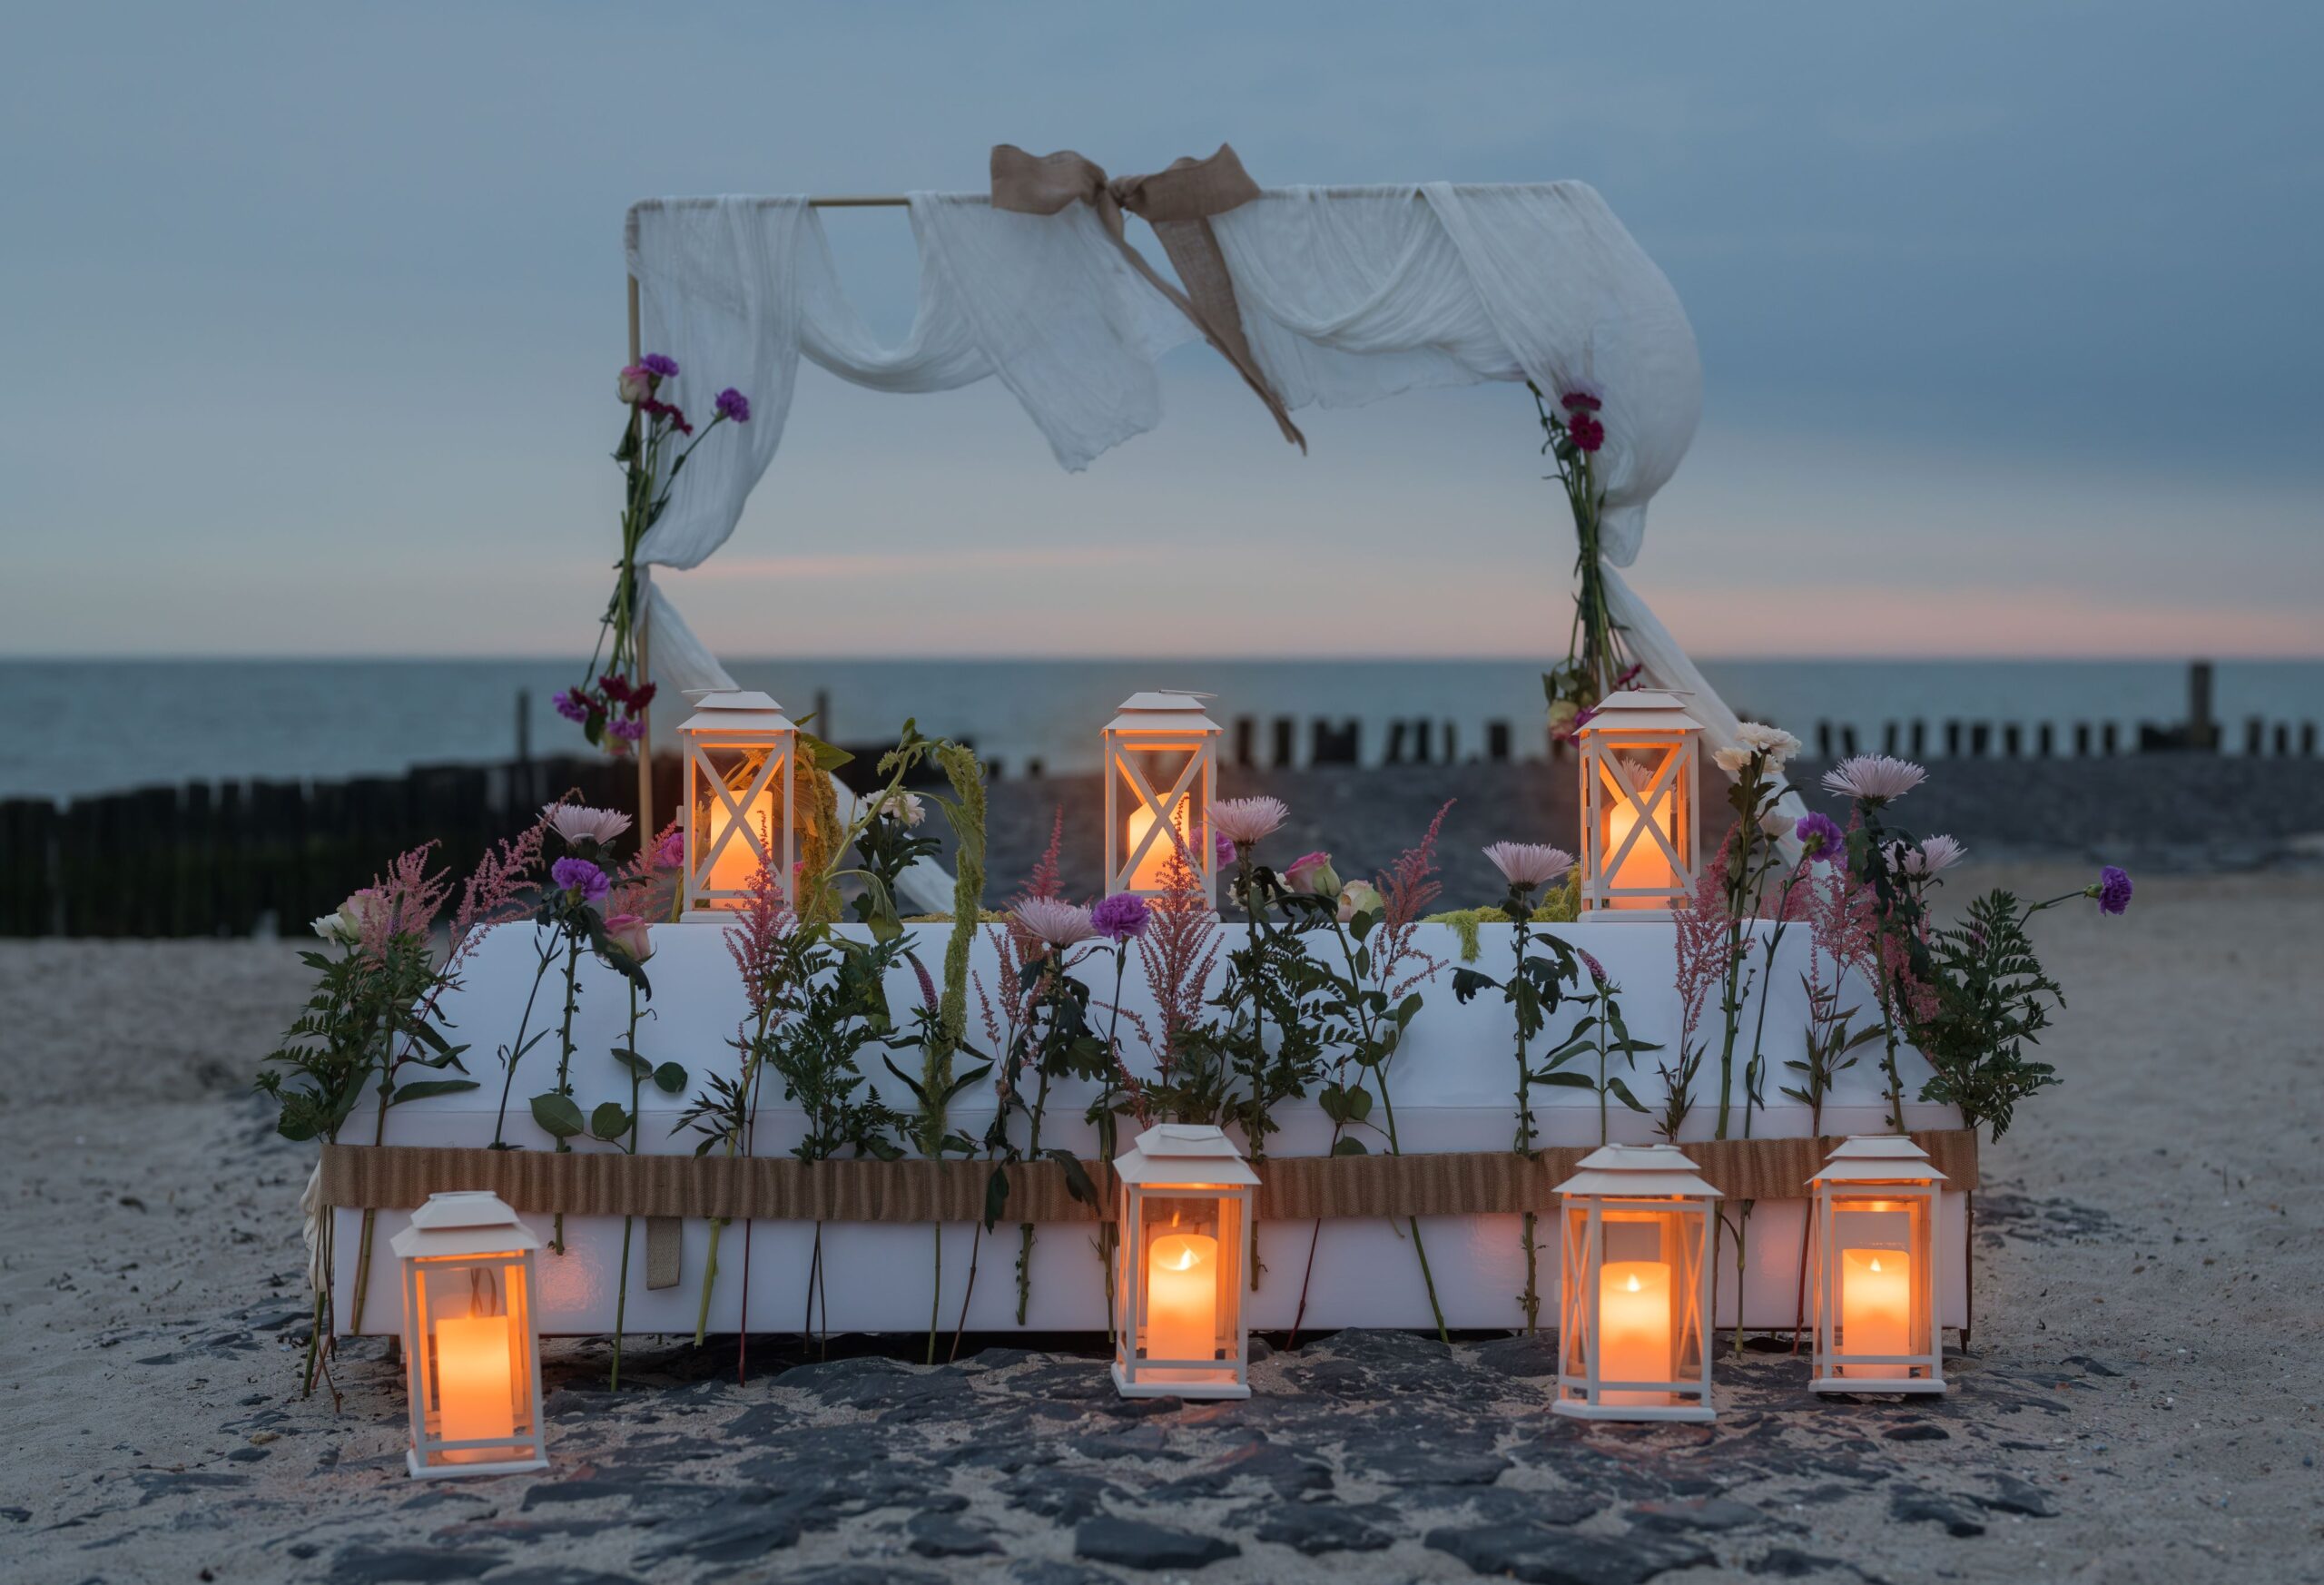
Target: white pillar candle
x,y
1182,1297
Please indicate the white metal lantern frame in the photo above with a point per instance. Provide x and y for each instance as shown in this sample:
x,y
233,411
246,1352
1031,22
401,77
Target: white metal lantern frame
x,y
471,1237
1880,1187
1640,751
1151,732
1169,1165
759,744
1621,1187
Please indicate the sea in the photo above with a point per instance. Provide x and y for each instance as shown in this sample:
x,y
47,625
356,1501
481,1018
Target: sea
x,y
71,728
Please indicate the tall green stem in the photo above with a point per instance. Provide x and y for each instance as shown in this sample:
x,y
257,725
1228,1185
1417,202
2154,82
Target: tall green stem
x,y
565,1060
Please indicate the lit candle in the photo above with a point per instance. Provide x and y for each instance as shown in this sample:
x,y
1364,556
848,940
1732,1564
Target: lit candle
x,y
1634,1327
1182,1297
1148,876
738,861
474,1388
1646,865
1877,1306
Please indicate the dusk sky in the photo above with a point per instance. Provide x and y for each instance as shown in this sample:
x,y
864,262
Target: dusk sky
x,y
2008,318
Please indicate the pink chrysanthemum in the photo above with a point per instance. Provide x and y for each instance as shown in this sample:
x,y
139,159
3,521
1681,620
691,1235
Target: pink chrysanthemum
x,y
1873,778
1528,864
1937,853
1055,922
1245,820
577,823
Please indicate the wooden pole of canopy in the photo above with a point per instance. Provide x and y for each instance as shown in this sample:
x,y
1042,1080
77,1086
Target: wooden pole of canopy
x,y
637,620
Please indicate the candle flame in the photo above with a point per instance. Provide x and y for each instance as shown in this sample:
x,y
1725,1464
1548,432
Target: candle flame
x,y
1633,1284
1876,1263
1185,1262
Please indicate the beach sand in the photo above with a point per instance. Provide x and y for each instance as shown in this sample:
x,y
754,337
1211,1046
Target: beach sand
x,y
2139,1401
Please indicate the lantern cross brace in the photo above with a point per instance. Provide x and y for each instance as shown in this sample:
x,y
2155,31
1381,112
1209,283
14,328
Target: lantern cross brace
x,y
1660,787
739,811
1175,799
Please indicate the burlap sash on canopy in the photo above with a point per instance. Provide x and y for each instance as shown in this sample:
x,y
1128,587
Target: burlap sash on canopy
x,y
1452,1184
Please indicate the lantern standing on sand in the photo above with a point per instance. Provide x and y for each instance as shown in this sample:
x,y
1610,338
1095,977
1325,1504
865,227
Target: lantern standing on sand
x,y
1640,834
740,749
1161,770
468,1337
1876,1210
1634,1289
1186,1208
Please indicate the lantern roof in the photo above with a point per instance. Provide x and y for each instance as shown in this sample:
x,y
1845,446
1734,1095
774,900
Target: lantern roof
x,y
1184,1153
1878,1158
465,1222
1641,710
736,710
1638,1171
1164,710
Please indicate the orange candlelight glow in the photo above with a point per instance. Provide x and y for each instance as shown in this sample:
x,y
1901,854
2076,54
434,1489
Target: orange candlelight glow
x,y
1877,1306
1646,865
737,862
1634,1327
474,1387
1182,1297
1148,876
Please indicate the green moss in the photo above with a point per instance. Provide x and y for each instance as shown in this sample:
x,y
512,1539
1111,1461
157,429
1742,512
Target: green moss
x,y
1559,906
984,916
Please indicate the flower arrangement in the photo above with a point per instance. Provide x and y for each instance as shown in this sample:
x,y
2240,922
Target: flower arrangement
x,y
611,710
1595,662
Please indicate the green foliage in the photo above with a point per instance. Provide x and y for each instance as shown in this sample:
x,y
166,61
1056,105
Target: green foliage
x,y
357,1027
1992,1000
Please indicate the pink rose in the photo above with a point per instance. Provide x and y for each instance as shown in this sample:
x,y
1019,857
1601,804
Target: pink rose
x,y
1313,873
631,933
636,384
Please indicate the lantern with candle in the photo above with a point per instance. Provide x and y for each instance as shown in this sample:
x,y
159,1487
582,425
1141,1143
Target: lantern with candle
x,y
469,1338
1877,1202
740,749
1640,837
1161,769
1187,1200
1634,1286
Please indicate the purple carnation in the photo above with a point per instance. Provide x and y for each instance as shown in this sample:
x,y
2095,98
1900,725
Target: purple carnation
x,y
732,404
1119,917
2113,890
629,729
582,876
1820,836
659,363
1223,851
571,705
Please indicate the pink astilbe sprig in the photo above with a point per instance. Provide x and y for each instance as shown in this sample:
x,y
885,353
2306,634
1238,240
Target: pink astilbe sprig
x,y
1703,942
404,901
759,942
500,891
647,886
1178,952
1406,888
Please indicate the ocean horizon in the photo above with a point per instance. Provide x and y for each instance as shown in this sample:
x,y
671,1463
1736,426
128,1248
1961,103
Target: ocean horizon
x,y
77,726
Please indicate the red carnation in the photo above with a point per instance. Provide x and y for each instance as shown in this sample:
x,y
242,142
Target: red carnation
x,y
1587,433
1578,401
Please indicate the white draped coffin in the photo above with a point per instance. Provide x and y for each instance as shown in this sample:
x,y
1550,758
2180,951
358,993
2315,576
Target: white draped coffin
x,y
1453,1083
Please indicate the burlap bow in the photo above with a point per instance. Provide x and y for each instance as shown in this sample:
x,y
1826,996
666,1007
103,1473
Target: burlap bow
x,y
1178,203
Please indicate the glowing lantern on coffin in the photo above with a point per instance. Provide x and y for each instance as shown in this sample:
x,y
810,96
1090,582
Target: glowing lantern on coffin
x,y
1641,767
1161,770
1875,1209
1185,1215
1634,1286
469,1338
740,749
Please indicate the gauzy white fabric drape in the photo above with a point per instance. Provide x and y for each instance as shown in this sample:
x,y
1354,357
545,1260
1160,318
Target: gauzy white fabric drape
x,y
1352,294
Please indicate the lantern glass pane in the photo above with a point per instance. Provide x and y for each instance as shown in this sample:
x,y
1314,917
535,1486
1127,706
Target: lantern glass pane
x,y
1880,1275
736,795
1184,1277
1159,789
473,1327
1642,799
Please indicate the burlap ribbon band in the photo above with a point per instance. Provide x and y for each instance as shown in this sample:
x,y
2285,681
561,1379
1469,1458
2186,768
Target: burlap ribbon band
x,y
784,1189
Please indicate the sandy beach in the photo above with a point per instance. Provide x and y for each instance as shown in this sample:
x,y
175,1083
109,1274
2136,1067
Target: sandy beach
x,y
2140,1399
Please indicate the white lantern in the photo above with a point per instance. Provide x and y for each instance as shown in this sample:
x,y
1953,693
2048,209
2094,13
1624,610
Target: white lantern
x,y
1876,1203
469,1338
1188,1196
1634,1286
1641,768
1161,774
739,812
